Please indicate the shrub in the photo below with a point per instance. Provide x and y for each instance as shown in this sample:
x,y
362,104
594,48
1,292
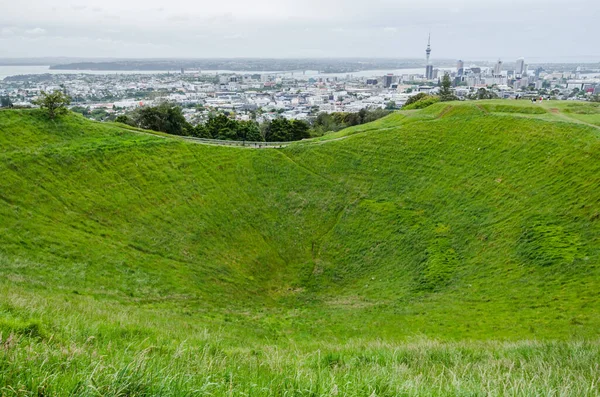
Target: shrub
x,y
422,103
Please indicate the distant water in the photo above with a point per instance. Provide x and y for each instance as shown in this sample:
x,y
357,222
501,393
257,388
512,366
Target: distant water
x,y
6,71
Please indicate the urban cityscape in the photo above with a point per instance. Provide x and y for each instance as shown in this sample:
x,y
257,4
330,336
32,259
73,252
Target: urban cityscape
x,y
300,95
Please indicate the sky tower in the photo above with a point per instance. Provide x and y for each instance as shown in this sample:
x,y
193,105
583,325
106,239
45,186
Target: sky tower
x,y
428,68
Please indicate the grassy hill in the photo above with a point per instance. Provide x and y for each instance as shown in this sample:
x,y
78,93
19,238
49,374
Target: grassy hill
x,y
449,251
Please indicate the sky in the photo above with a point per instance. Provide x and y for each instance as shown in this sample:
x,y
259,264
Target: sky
x,y
539,30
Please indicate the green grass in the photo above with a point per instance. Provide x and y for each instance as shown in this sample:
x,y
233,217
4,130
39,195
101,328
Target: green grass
x,y
453,250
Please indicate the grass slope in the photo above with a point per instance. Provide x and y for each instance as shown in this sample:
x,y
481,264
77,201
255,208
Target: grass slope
x,y
137,264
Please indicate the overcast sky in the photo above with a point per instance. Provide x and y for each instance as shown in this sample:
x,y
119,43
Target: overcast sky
x,y
558,30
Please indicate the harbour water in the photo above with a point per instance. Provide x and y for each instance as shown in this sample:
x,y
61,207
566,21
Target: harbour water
x,y
6,71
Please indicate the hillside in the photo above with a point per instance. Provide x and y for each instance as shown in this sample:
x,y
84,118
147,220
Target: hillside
x,y
474,224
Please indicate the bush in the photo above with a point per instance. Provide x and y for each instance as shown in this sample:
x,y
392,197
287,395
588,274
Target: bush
x,y
54,103
326,122
426,101
415,98
124,119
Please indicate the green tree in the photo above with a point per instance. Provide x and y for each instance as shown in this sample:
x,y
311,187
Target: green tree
x,y
124,119
165,117
446,89
482,93
353,119
200,131
249,131
5,102
324,123
98,114
221,127
299,130
278,130
54,103
391,105
85,111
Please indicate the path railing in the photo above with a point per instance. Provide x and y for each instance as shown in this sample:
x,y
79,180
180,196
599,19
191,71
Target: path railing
x,y
250,144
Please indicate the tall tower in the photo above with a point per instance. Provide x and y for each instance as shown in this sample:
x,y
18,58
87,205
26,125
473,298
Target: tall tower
x,y
428,50
429,67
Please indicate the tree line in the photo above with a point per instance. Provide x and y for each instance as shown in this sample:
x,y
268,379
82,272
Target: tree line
x,y
168,117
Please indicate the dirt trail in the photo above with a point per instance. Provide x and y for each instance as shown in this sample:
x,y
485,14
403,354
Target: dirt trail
x,y
563,116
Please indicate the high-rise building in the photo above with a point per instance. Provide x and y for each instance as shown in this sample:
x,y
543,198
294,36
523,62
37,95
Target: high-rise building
x,y
388,80
520,69
429,72
498,68
460,68
429,67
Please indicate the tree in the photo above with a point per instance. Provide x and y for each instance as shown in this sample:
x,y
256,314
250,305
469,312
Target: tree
x,y
85,111
391,105
200,131
165,117
446,89
249,131
5,102
362,114
595,98
278,130
574,92
54,103
124,119
482,93
98,114
353,119
299,130
220,127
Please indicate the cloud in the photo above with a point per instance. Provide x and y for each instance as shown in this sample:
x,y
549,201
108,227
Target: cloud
x,y
7,32
234,37
474,29
35,32
178,18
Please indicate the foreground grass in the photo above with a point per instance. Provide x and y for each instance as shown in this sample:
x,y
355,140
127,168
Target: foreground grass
x,y
353,368
81,348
